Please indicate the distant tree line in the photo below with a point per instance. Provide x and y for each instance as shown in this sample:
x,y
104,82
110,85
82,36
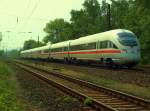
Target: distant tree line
x,y
1,53
9,53
29,44
94,18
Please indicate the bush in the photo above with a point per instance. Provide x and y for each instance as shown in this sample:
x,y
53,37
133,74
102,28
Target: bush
x,y
88,101
8,96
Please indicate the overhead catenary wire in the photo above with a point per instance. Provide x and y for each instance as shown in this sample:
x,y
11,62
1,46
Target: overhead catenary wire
x,y
20,22
18,18
21,17
30,15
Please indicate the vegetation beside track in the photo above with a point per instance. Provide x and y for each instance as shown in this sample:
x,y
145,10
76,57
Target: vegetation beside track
x,y
44,96
8,90
133,89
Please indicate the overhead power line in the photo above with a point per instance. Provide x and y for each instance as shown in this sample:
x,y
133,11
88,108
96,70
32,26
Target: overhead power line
x,y
35,7
30,15
21,17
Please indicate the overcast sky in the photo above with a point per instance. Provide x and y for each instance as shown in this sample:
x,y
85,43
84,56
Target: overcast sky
x,y
32,16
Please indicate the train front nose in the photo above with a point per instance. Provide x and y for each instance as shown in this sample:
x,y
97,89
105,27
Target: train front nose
x,y
132,56
130,48
134,59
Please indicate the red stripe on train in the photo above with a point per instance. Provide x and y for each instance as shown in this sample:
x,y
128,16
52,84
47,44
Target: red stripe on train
x,y
95,52
90,52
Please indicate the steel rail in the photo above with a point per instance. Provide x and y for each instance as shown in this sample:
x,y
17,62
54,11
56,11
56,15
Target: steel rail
x,y
130,102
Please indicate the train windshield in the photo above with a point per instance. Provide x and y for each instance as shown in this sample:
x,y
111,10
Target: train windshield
x,y
127,39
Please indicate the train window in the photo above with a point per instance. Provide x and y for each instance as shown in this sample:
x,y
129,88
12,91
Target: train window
x,y
37,52
60,49
72,48
75,47
127,39
91,45
114,46
126,34
65,48
83,46
128,42
56,50
107,44
52,50
111,45
80,47
46,51
103,44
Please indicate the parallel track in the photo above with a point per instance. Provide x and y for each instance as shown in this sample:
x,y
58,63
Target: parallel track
x,y
140,68
103,99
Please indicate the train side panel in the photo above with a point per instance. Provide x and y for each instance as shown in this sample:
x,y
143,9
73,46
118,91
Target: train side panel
x,y
118,46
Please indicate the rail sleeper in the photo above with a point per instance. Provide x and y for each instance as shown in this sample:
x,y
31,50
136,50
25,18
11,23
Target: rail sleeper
x,y
107,96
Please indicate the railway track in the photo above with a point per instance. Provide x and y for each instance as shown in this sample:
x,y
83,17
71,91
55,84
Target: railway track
x,y
103,99
125,76
140,68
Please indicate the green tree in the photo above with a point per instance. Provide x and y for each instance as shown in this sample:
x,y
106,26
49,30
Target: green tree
x,y
143,13
143,3
119,12
87,20
58,30
1,52
29,44
13,53
79,23
104,16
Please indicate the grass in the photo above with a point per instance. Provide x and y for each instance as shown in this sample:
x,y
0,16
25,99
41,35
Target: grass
x,y
88,101
8,90
133,89
66,99
143,92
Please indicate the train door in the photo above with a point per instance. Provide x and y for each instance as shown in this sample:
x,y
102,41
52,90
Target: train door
x,y
97,49
100,52
68,55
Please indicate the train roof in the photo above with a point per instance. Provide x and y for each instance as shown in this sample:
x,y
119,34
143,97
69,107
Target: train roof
x,y
99,36
60,44
111,32
36,49
85,39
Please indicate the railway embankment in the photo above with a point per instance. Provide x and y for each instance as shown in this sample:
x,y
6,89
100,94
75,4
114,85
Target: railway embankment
x,y
135,82
102,98
45,97
21,91
9,100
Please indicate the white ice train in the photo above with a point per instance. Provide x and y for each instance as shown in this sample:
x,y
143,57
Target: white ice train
x,y
116,47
